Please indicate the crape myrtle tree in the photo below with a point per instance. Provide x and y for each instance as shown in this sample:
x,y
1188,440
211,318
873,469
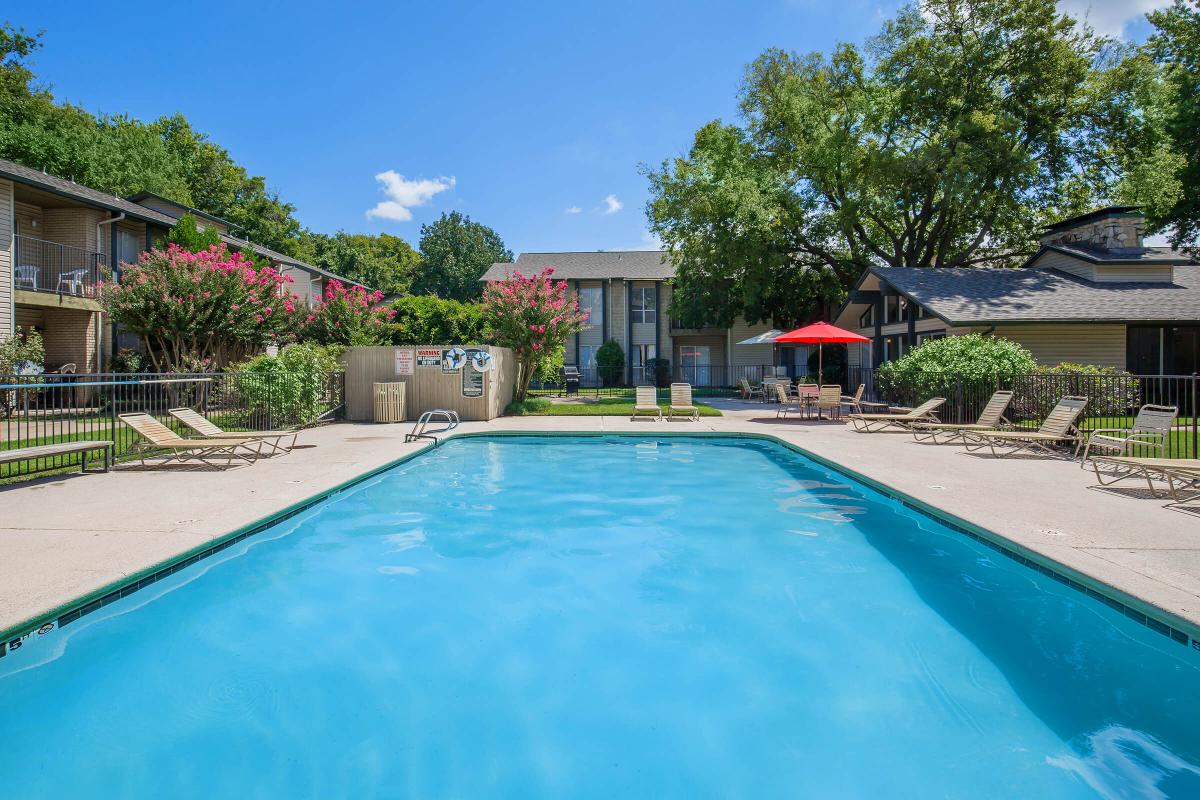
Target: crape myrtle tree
x,y
947,140
348,316
198,311
533,317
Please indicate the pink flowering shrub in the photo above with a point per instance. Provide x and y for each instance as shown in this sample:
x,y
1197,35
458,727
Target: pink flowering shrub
x,y
348,315
533,317
212,307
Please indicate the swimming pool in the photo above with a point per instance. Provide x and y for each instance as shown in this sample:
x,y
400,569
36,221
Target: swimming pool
x,y
604,617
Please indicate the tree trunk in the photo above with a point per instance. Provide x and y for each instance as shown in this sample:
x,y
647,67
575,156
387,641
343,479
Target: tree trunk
x,y
524,376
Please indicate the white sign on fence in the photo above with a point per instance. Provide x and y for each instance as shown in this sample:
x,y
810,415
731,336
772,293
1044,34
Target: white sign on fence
x,y
404,362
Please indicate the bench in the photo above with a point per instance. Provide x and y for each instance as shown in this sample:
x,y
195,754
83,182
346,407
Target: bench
x,y
63,449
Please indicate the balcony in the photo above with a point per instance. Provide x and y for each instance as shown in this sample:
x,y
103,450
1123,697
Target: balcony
x,y
54,268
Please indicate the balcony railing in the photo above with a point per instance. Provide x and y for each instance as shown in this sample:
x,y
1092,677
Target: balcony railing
x,y
43,266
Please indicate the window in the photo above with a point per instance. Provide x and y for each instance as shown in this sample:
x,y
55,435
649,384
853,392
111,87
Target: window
x,y
592,299
893,347
587,356
867,320
641,304
640,354
925,337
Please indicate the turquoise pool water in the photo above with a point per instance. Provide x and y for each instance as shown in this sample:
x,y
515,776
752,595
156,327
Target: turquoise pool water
x,y
603,618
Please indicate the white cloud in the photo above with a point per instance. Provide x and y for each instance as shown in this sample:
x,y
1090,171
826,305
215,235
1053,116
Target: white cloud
x,y
1109,17
612,205
572,210
405,194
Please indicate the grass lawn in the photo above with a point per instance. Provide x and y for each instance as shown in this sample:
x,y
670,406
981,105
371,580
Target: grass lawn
x,y
605,406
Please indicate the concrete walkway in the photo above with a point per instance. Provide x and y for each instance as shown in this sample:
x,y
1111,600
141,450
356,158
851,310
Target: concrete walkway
x,y
65,537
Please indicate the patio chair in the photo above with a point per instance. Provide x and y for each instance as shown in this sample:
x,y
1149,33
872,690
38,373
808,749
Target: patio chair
x,y
681,403
160,437
749,391
873,423
73,280
202,425
857,404
25,276
787,403
1058,428
1168,469
646,402
1150,429
990,419
830,399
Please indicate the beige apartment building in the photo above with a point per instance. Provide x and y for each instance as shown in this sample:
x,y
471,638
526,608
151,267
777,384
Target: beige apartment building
x,y
59,240
1094,293
628,293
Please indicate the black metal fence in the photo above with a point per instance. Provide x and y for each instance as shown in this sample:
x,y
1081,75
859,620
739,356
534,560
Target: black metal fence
x,y
52,409
1113,399
714,378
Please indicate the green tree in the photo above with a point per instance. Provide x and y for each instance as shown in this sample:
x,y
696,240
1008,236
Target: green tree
x,y
610,362
381,261
425,319
187,235
456,253
946,141
1175,46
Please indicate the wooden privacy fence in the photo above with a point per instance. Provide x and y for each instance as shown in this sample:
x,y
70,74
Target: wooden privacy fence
x,y
428,384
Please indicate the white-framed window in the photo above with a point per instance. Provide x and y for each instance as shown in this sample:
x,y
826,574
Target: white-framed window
x,y
592,299
641,304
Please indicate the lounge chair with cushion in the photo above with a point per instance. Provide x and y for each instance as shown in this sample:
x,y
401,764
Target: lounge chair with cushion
x,y
159,437
1168,469
646,402
872,423
1151,428
1058,428
681,403
990,419
209,430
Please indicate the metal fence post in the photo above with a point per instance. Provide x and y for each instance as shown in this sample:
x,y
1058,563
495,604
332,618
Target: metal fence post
x,y
1195,415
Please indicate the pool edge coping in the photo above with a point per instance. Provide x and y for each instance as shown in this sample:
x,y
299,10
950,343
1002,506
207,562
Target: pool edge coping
x,y
1115,597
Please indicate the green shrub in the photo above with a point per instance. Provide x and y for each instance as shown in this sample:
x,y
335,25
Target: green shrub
x,y
129,362
660,370
291,388
21,349
425,319
548,370
610,363
1110,392
952,364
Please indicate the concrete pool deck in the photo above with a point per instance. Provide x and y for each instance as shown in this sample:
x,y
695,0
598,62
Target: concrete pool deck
x,y
65,537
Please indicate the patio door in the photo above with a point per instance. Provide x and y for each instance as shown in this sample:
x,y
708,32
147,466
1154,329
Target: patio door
x,y
694,363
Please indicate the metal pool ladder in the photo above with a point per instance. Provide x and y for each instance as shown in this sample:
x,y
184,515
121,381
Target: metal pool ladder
x,y
445,415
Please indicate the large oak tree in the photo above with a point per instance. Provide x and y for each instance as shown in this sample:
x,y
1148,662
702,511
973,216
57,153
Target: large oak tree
x,y
947,140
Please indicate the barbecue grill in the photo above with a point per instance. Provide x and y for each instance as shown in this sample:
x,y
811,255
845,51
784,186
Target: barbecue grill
x,y
570,378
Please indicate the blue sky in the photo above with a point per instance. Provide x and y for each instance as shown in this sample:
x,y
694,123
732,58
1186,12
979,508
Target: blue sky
x,y
530,117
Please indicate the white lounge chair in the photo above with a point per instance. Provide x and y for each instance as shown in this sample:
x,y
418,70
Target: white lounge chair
x,y
990,419
872,423
1058,428
646,402
681,403
1150,430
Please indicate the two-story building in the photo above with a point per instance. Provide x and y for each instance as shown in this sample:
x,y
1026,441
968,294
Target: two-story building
x,y
1094,293
628,294
59,240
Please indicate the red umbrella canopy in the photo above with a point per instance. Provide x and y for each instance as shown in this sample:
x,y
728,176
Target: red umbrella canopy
x,y
819,333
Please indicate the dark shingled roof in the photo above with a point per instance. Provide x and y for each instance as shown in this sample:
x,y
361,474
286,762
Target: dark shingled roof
x,y
66,188
1146,255
640,265
998,296
1099,213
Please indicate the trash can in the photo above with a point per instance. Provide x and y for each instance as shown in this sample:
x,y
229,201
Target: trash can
x,y
389,402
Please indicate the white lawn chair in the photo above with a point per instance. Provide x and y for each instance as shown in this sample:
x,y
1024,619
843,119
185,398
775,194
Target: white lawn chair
x,y
646,402
681,403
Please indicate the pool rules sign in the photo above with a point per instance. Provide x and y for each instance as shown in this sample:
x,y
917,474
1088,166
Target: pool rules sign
x,y
404,362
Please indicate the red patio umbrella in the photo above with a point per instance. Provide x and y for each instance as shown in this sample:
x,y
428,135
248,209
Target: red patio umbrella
x,y
819,333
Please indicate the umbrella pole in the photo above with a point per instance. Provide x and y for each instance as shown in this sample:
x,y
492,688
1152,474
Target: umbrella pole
x,y
820,370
